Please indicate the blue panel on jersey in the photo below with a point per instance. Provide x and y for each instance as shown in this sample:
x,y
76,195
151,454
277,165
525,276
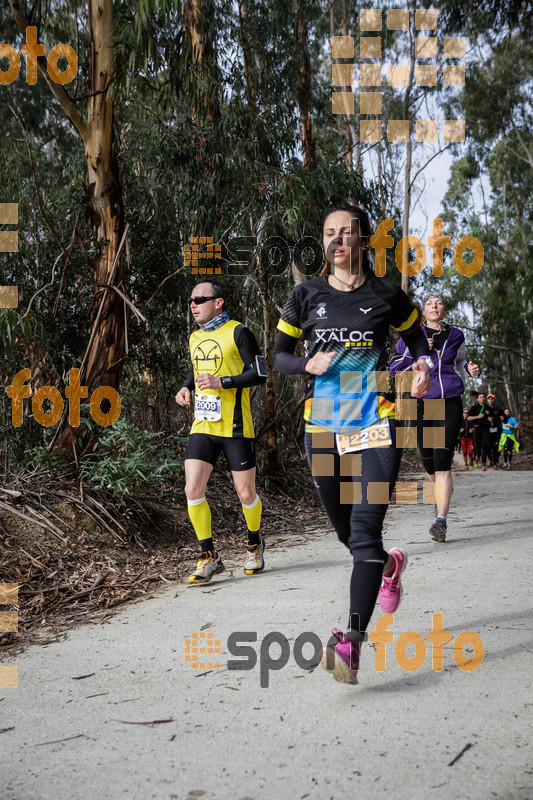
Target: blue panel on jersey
x,y
342,399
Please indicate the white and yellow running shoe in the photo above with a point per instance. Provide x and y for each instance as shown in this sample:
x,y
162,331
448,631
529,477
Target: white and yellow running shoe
x,y
209,564
255,562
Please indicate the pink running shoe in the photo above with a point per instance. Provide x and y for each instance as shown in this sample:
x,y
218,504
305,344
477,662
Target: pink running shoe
x,y
341,659
391,590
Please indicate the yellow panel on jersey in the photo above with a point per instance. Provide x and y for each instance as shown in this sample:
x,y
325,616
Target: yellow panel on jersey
x,y
290,330
216,353
410,322
385,408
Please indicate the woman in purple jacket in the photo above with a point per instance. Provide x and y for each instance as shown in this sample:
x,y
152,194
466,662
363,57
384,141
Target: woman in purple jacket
x,y
447,347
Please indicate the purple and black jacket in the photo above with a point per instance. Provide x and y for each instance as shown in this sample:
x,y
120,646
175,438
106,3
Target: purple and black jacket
x,y
445,382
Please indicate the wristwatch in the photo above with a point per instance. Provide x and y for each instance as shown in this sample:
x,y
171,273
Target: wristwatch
x,y
226,382
428,359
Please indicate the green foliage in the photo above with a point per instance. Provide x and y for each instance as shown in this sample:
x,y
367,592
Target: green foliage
x,y
128,460
50,463
498,167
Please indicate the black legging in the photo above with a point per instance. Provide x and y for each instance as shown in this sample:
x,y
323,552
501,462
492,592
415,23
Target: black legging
x,y
358,524
481,440
439,459
508,450
494,441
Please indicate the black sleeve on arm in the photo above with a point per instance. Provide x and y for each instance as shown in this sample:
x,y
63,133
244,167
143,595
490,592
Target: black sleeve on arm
x,y
189,379
406,320
417,343
249,349
284,358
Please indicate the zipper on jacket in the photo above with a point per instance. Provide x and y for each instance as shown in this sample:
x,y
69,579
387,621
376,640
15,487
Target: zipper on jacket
x,y
440,361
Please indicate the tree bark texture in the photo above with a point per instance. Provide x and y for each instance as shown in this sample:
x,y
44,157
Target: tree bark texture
x,y
272,467
106,351
409,153
197,20
304,89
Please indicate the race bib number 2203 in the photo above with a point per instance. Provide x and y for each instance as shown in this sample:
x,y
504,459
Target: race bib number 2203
x,y
377,435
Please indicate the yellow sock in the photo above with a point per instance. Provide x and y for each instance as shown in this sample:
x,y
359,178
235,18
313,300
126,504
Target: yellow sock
x,y
252,514
200,516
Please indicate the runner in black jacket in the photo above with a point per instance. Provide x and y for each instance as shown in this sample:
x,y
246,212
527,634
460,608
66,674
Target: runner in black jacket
x,y
478,415
467,441
496,418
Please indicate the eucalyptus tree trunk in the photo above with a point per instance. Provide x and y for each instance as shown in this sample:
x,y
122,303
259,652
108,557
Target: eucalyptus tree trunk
x,y
197,21
352,149
409,152
252,68
272,467
304,88
106,353
246,46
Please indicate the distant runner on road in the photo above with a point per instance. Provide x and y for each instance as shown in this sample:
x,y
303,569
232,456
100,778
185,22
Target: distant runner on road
x,y
467,441
447,348
496,417
508,441
478,414
225,361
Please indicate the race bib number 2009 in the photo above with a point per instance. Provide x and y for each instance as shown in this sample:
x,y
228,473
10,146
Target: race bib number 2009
x,y
207,407
377,435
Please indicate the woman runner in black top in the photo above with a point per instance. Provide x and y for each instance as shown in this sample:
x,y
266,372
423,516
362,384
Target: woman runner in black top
x,y
343,318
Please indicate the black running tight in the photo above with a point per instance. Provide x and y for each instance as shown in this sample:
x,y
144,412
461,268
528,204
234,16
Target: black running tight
x,y
481,441
355,492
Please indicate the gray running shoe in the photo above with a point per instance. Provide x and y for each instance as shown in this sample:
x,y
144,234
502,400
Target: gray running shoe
x,y
438,530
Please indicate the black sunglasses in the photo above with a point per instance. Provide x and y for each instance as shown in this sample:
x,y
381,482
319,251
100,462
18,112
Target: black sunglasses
x,y
199,300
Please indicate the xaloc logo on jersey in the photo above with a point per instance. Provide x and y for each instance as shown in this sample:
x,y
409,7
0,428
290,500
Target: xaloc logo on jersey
x,y
361,338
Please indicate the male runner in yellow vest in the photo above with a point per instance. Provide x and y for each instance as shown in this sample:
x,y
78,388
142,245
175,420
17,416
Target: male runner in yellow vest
x,y
225,361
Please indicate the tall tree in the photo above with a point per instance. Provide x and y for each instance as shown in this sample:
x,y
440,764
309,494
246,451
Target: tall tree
x,y
304,87
106,352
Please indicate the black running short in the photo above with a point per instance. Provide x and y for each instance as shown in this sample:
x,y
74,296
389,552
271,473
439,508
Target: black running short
x,y
239,452
439,459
